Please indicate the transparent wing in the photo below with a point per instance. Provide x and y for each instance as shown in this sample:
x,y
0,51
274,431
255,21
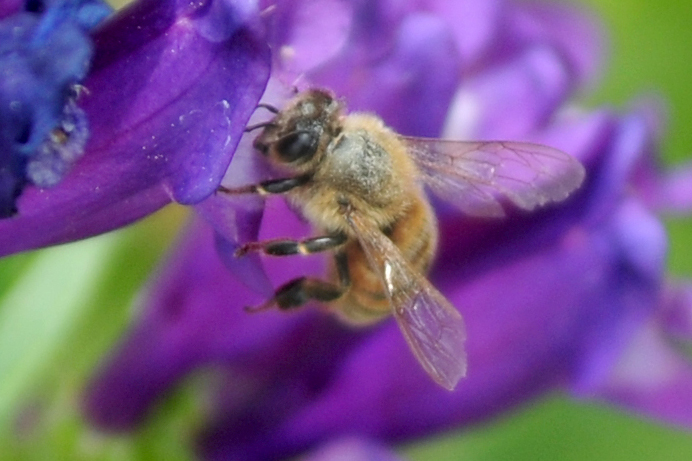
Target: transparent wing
x,y
433,328
474,176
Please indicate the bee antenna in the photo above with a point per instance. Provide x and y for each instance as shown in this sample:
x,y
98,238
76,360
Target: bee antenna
x,y
269,107
294,86
258,125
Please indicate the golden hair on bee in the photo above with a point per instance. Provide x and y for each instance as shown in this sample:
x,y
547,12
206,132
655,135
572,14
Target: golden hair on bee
x,y
361,186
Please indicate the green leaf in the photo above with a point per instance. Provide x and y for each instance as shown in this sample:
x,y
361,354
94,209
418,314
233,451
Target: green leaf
x,y
39,311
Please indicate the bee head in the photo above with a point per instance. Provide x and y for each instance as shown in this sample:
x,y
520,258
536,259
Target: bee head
x,y
302,129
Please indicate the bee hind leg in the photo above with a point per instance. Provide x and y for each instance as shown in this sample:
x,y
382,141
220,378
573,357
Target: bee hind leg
x,y
299,291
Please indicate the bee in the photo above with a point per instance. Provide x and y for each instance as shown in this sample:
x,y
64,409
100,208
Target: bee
x,y
361,186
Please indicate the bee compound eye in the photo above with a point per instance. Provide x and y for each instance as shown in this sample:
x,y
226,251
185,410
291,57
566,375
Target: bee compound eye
x,y
299,145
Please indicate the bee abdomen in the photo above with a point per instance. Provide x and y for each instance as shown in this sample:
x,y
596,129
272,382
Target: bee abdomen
x,y
415,235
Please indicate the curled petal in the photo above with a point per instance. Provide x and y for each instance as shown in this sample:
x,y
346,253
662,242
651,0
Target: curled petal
x,y
237,220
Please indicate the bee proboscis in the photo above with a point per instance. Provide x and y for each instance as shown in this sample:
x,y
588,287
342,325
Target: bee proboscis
x,y
360,185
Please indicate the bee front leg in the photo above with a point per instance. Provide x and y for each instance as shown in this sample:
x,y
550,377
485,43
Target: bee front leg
x,y
299,291
286,247
269,187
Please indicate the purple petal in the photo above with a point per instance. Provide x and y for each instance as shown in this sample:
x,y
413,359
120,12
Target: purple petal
x,y
208,78
581,297
511,100
194,305
637,240
675,317
571,29
10,7
352,449
672,191
652,380
306,33
398,85
550,299
194,315
237,220
593,275
474,24
375,26
380,390
166,131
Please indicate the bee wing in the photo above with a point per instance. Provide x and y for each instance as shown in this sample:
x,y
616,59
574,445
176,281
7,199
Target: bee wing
x,y
432,327
475,175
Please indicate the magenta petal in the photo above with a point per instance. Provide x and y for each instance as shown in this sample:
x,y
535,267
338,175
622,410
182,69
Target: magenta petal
x,y
165,131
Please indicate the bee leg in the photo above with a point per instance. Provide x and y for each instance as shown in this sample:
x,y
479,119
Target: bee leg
x,y
299,291
285,247
271,186
269,107
303,289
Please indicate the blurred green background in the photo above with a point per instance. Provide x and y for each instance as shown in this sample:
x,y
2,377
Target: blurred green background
x,y
62,308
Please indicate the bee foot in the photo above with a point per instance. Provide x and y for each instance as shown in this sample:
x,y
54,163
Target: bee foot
x,y
262,307
243,250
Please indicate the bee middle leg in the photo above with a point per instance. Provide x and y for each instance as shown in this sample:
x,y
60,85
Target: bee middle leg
x,y
299,291
286,247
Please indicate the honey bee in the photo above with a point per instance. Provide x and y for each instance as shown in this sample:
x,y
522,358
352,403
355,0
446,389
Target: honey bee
x,y
360,185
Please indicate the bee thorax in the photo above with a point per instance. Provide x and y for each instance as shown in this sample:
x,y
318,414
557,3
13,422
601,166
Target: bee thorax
x,y
356,164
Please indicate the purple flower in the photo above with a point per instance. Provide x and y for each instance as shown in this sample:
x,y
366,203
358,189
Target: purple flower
x,y
570,297
170,90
